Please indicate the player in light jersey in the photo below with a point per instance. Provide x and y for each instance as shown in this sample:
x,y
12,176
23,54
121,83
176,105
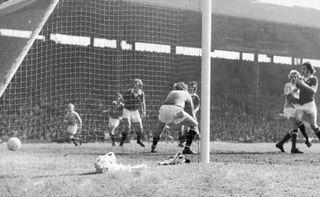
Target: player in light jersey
x,y
134,100
307,109
291,94
74,123
172,111
115,115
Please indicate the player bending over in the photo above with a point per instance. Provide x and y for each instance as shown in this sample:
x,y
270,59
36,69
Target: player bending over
x,y
172,110
115,115
291,94
74,122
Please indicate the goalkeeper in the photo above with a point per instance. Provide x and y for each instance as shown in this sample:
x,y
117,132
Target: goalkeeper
x,y
172,110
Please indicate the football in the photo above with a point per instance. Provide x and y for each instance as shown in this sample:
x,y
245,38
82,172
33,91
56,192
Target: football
x,y
14,144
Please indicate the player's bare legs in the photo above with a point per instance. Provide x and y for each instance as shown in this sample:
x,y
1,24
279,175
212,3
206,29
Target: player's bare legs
x,y
190,135
293,135
156,135
112,134
302,129
182,135
192,124
75,140
139,130
188,121
125,132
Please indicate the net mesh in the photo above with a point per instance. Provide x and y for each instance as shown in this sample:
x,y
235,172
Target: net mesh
x,y
90,50
87,57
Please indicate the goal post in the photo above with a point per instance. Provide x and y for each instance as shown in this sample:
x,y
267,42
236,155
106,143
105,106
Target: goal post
x,y
205,81
7,10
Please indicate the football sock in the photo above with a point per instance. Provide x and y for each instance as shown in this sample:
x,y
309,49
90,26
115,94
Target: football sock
x,y
155,141
294,138
303,130
112,139
190,136
74,141
139,134
123,138
285,139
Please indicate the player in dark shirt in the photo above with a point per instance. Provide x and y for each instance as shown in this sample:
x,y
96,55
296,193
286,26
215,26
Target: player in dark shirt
x,y
306,108
134,100
193,86
115,115
291,95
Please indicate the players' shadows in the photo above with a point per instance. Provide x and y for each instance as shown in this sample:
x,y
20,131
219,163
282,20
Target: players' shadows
x,y
70,174
245,153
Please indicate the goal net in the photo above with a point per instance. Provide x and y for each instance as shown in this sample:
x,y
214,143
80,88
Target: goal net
x,y
20,24
87,51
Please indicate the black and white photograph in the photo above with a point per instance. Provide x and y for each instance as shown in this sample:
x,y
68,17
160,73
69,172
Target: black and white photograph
x,y
159,98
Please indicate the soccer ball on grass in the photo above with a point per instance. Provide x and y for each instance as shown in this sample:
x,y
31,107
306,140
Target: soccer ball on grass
x,y
14,144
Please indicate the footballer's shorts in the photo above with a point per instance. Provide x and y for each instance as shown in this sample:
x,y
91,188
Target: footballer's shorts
x,y
309,109
132,115
72,129
113,122
289,112
172,113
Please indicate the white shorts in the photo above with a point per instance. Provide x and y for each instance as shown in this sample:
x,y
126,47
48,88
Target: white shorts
x,y
113,122
172,113
72,129
307,109
132,116
289,112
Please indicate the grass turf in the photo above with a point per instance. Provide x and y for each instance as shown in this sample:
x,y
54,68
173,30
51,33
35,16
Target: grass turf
x,y
235,170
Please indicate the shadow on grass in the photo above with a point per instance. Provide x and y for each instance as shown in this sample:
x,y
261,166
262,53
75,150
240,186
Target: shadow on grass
x,y
245,153
133,154
69,174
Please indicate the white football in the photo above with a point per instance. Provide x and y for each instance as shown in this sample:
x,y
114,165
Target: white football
x,y
14,144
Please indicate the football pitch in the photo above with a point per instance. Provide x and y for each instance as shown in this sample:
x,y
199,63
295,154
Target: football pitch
x,y
236,169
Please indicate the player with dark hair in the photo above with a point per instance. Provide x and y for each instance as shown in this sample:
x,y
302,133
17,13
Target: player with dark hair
x,y
308,86
172,111
115,115
291,94
74,122
193,86
134,100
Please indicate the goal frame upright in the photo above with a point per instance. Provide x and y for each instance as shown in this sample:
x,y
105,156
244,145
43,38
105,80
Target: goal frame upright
x,y
33,36
205,81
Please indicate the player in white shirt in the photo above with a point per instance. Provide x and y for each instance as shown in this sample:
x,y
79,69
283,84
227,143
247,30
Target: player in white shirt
x,y
291,94
173,111
74,123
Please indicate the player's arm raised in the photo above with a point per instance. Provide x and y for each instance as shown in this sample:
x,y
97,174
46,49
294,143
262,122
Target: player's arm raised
x,y
313,88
